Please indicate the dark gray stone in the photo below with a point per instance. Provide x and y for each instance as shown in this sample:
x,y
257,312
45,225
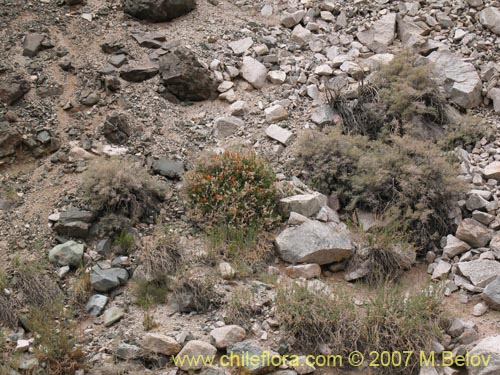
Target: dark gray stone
x,y
491,294
184,78
158,10
96,304
138,73
104,280
117,129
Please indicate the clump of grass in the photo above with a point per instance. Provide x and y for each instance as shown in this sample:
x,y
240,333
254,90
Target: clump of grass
x,y
55,340
316,318
466,132
241,307
152,291
81,290
394,320
249,249
232,189
123,189
125,242
406,182
161,254
389,321
148,322
37,288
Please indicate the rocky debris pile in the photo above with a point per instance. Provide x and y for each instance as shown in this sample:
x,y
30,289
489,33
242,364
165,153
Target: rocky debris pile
x,y
471,257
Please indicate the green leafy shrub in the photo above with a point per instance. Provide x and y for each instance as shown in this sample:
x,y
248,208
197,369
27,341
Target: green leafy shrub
x,y
406,182
232,189
122,190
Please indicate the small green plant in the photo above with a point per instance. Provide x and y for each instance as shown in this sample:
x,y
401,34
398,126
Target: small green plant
x,y
125,241
232,189
149,322
152,292
55,343
248,248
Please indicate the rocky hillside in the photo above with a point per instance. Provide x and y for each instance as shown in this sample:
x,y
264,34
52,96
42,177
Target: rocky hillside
x,y
209,177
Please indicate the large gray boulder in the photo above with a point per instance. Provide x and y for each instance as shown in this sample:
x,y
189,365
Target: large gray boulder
x,y
474,233
67,254
13,89
490,18
315,242
480,272
158,10
254,72
184,78
488,347
460,79
380,35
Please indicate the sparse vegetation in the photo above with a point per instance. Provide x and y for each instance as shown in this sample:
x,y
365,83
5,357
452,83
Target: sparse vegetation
x,y
402,98
241,307
125,242
406,182
389,321
81,289
55,343
122,191
234,189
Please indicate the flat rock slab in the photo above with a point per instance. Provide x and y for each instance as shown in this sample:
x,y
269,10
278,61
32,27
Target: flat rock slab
x,y
380,35
480,272
314,242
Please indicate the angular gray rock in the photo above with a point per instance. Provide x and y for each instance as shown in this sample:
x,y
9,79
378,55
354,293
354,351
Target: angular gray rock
x,y
314,242
116,128
279,134
104,280
488,347
323,115
490,18
158,10
184,78
380,35
138,73
304,204
32,44
491,294
253,72
96,304
112,315
454,247
128,352
169,168
67,254
480,272
474,233
494,95
13,89
290,19
460,79
226,126
240,46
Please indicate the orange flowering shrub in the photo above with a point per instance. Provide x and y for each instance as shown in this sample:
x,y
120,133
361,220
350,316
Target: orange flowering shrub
x,y
232,188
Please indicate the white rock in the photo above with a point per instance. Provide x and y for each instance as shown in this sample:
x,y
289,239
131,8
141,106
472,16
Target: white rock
x,y
490,18
300,35
276,76
279,134
239,47
276,113
254,72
